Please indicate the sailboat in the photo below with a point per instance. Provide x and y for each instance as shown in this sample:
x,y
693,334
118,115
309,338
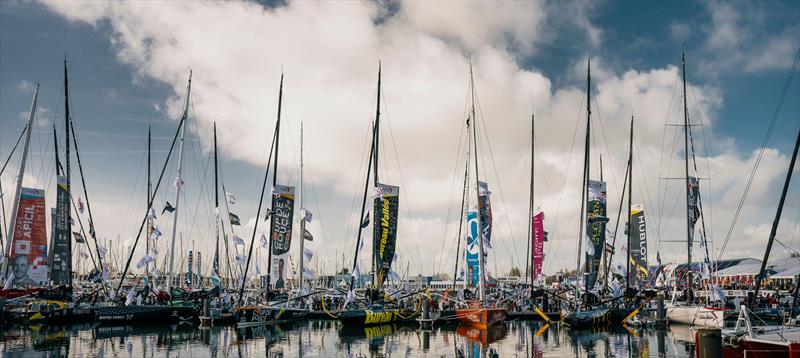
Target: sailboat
x,y
688,312
588,311
281,219
384,240
479,314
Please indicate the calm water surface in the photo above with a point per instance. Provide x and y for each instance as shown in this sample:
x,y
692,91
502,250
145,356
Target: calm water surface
x,y
329,339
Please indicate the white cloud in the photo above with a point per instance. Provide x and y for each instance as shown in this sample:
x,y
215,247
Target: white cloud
x,y
329,52
26,86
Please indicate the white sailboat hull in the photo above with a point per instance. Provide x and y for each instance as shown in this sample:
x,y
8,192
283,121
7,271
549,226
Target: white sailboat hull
x,y
696,316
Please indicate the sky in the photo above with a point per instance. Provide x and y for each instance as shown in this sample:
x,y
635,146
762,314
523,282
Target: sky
x,y
129,64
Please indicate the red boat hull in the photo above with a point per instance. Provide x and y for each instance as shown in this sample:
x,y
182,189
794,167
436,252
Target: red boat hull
x,y
760,349
481,317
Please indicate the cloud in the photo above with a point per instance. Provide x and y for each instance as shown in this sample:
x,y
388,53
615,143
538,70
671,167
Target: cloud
x,y
26,86
329,53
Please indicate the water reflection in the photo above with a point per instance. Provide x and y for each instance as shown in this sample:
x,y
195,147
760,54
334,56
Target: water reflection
x,y
328,338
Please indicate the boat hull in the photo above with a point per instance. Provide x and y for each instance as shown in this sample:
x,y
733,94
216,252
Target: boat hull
x,y
252,316
755,348
696,316
481,318
597,317
375,316
145,314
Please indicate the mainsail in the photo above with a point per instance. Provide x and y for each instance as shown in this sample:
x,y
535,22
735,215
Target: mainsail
x,y
384,229
638,234
62,250
281,232
596,230
28,254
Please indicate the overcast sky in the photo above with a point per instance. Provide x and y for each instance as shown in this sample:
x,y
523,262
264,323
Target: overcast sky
x,y
129,63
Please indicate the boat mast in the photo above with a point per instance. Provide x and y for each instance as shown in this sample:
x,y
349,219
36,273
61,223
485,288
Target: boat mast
x,y
529,253
147,199
215,262
302,217
689,240
585,182
482,276
67,167
375,169
777,220
20,175
463,212
274,183
179,185
630,202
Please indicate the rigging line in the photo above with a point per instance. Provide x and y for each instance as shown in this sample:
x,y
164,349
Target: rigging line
x,y
705,156
563,189
515,255
450,201
364,159
760,154
609,158
662,226
661,162
387,118
13,149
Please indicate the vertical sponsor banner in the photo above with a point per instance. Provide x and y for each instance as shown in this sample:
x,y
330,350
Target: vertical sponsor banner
x,y
29,245
596,229
281,231
384,229
62,249
473,248
485,208
694,211
189,277
638,275
538,246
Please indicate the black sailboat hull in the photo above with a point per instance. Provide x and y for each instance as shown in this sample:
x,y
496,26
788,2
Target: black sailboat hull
x,y
145,314
597,317
374,316
262,315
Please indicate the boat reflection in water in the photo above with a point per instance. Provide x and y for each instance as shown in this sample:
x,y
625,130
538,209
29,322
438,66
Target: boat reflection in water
x,y
329,338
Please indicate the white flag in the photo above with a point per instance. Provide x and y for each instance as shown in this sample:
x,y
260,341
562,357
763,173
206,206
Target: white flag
x,y
131,297
307,215
350,296
307,273
589,246
151,214
393,276
231,198
357,271
178,182
144,261
307,253
237,240
264,242
240,259
101,251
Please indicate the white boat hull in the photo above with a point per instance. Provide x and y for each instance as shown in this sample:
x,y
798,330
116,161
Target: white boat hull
x,y
696,316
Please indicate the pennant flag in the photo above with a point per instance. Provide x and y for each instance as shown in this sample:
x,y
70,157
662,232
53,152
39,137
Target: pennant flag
x,y
620,269
234,219
307,273
151,214
81,205
307,235
131,297
307,253
365,222
307,215
237,240
241,259
264,242
101,251
78,237
231,198
144,261
168,207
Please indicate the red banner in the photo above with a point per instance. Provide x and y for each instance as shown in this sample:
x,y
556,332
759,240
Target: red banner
x,y
538,246
29,245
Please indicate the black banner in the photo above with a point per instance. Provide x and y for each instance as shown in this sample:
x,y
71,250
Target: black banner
x,y
61,268
638,239
596,229
384,229
281,233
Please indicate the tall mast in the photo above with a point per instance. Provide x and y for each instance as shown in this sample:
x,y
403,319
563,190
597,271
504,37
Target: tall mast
x,y
528,252
686,166
482,276
67,167
20,175
215,260
463,212
179,185
585,185
777,220
302,217
147,199
274,183
630,202
376,142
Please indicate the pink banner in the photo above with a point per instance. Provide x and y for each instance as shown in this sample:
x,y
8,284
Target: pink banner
x,y
538,246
